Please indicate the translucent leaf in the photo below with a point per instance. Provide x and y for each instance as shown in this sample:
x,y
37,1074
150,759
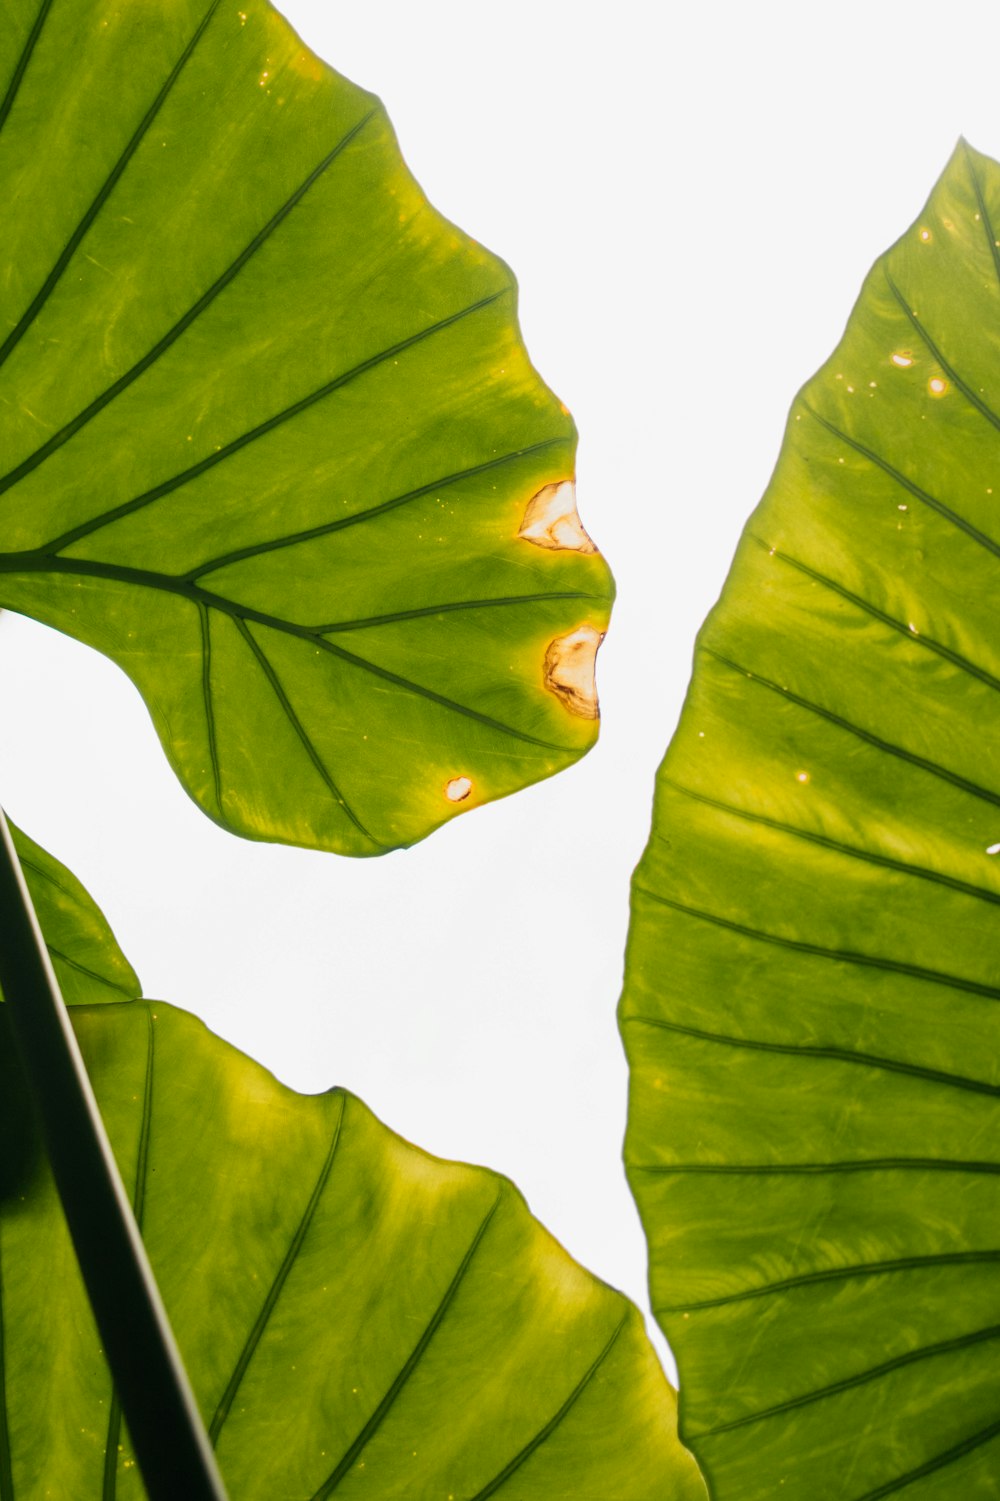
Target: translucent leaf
x,y
811,1003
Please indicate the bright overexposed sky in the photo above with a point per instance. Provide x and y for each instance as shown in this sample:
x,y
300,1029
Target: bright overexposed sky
x,y
690,196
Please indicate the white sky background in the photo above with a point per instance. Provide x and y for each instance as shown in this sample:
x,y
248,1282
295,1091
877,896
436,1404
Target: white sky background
x,y
690,198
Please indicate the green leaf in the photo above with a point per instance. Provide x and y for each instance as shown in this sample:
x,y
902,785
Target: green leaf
x,y
356,1316
811,1005
271,437
89,965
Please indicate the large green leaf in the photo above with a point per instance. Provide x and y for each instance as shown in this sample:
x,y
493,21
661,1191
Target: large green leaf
x,y
357,1317
811,1004
269,434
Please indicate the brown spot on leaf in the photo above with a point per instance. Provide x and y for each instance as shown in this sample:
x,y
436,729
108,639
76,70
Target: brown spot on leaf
x,y
569,670
551,520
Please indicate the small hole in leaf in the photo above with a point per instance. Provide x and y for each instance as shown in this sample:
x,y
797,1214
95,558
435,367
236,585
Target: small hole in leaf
x,y
802,776
936,386
993,849
903,359
458,789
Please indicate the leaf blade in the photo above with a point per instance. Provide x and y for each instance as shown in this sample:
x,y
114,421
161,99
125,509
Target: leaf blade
x,y
810,1002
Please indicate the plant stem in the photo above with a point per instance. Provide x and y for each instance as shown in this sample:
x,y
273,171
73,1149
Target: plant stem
x,y
171,1446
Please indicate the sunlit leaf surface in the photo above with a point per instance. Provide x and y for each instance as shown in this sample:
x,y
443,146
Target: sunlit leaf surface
x,y
358,1318
269,436
811,1009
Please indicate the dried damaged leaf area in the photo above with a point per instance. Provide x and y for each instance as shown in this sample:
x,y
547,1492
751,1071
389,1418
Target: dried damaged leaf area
x,y
570,671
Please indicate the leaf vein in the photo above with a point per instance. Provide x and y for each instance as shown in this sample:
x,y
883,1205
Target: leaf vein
x,y
918,638
107,188
543,1433
83,969
843,1274
21,67
194,471
858,1165
818,951
984,214
957,380
406,1370
854,852
939,1462
907,484
274,1292
16,563
830,1054
861,1378
71,428
206,689
867,736
279,692
448,607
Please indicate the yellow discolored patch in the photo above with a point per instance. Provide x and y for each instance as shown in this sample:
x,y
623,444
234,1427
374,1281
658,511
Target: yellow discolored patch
x,y
551,520
569,671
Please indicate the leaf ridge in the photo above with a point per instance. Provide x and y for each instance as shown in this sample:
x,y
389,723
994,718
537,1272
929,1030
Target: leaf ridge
x,y
855,1165
843,1274
907,484
71,428
206,691
110,1487
42,874
272,677
957,380
854,852
984,214
194,471
243,613
448,607
274,1292
91,974
939,1462
543,1433
13,87
867,736
904,628
326,528
406,1370
30,562
911,1357
104,192
816,950
832,1054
